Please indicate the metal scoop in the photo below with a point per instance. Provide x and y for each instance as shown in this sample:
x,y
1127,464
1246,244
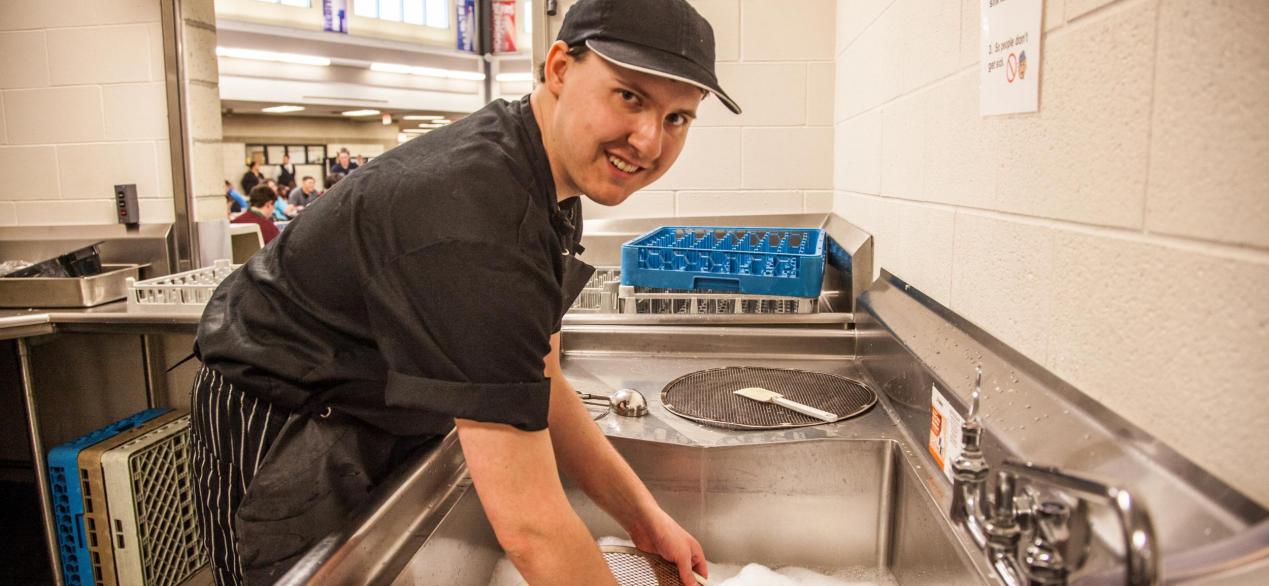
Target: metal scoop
x,y
768,396
625,402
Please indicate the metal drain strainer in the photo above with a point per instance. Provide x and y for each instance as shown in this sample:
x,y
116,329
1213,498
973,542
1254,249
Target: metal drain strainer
x,y
632,567
706,397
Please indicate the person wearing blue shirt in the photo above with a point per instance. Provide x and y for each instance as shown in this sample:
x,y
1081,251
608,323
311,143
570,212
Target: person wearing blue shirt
x,y
239,202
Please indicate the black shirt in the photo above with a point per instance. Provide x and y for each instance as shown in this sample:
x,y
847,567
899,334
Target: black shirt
x,y
422,288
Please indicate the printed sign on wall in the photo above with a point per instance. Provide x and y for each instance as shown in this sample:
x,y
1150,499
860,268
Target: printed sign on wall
x,y
335,16
1010,77
504,26
466,29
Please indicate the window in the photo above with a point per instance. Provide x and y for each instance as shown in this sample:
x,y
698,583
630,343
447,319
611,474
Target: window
x,y
300,3
433,13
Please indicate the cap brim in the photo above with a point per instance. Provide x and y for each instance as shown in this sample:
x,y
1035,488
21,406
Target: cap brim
x,y
660,64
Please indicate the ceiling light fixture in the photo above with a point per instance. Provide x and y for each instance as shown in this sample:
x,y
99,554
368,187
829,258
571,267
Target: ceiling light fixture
x,y
422,117
361,113
427,71
417,130
520,76
282,109
272,56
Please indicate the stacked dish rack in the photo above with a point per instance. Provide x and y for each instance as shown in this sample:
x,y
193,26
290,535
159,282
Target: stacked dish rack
x,y
604,293
125,504
711,270
178,292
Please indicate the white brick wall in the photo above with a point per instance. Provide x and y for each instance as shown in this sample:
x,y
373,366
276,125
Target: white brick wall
x,y
82,108
775,58
1119,236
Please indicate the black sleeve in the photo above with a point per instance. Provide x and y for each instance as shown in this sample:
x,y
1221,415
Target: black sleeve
x,y
464,327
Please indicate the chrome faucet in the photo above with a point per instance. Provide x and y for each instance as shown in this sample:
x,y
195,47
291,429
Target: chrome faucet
x,y
1057,535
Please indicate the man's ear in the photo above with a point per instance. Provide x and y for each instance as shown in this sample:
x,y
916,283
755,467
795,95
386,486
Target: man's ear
x,y
557,64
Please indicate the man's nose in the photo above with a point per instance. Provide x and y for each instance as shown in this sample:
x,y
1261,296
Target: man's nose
x,y
646,137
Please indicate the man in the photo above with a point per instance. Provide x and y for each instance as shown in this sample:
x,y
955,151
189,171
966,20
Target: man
x,y
343,165
286,172
304,194
425,293
262,201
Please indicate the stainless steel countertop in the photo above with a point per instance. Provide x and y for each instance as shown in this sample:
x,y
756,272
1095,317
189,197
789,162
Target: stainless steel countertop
x,y
603,375
19,323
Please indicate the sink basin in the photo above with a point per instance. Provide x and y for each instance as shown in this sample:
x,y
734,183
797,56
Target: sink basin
x,y
827,504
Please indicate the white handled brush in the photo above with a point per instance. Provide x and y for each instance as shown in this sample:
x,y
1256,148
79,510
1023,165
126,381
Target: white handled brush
x,y
768,396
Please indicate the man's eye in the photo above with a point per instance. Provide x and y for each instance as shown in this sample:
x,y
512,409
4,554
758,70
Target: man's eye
x,y
676,120
629,97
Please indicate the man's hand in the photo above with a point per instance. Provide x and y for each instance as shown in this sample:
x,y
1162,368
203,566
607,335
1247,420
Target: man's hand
x,y
663,536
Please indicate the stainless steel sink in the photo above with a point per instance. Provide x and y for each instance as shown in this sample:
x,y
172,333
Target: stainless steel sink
x,y
826,504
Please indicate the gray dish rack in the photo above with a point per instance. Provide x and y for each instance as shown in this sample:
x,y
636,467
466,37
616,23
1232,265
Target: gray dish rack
x,y
604,293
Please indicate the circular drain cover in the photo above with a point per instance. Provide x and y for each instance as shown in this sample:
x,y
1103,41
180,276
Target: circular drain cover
x,y
706,396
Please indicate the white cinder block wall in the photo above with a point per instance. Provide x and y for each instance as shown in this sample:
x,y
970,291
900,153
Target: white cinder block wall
x,y
82,108
1119,236
775,57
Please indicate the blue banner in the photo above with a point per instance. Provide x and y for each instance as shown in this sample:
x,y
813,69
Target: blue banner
x,y
466,29
335,16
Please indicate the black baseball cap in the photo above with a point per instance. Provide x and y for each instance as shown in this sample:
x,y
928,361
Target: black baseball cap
x,y
666,38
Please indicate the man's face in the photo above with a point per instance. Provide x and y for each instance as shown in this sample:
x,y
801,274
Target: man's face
x,y
617,130
343,159
310,184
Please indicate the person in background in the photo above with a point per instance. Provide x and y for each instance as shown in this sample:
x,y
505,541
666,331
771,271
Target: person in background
x,y
262,200
343,164
252,177
237,203
304,194
361,160
286,172
332,179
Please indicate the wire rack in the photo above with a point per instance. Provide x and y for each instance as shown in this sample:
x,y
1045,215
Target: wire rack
x,y
604,293
149,495
179,291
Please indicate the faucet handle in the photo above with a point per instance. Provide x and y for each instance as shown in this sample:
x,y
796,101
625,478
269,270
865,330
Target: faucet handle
x,y
1053,522
1043,562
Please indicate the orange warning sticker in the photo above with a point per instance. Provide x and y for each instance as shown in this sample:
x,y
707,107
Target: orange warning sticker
x,y
945,431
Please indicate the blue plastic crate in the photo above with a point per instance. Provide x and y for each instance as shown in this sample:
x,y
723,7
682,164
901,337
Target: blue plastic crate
x,y
68,496
755,261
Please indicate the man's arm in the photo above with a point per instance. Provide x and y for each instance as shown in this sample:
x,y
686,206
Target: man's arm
x,y
515,476
586,456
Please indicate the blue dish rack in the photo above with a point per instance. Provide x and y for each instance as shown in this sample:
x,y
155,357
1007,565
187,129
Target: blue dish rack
x,y
68,496
787,262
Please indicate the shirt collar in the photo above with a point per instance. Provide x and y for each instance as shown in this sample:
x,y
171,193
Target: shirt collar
x,y
566,217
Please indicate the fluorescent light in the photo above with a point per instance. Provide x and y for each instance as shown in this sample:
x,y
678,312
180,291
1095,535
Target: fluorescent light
x,y
417,130
430,125
525,76
390,68
427,71
282,109
422,117
361,113
272,56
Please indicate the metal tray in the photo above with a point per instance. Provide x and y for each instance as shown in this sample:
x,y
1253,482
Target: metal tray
x,y
107,286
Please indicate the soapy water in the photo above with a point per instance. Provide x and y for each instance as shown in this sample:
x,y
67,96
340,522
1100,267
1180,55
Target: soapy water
x,y
505,574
